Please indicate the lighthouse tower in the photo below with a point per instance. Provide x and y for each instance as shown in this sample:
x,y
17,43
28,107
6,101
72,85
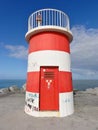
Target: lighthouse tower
x,y
49,90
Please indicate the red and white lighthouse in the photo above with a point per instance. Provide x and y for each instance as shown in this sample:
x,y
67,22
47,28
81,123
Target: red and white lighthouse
x,y
49,90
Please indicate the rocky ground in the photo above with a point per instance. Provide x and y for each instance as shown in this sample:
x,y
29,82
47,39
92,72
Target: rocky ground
x,y
85,117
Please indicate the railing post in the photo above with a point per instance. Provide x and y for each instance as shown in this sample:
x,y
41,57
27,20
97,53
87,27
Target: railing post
x,y
60,19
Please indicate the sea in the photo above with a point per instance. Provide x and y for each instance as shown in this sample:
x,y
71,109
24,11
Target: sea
x,y
77,84
5,83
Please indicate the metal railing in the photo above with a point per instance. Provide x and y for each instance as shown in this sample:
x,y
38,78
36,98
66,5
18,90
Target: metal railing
x,y
48,17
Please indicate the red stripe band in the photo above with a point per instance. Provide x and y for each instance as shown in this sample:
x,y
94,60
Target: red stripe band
x,y
49,41
64,82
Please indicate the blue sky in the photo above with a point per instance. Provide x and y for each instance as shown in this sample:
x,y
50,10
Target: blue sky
x,y
83,16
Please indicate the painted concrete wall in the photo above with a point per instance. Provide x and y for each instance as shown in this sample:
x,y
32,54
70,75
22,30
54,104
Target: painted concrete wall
x,y
49,49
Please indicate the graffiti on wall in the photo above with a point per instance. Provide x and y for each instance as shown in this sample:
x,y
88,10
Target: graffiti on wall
x,y
32,102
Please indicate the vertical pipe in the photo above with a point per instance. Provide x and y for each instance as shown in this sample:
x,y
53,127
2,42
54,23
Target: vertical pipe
x,y
52,17
46,17
49,17
60,19
57,18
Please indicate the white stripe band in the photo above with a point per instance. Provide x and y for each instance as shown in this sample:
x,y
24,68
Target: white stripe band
x,y
49,58
66,104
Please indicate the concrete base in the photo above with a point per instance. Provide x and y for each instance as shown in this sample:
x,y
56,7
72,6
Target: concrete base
x,y
44,113
66,106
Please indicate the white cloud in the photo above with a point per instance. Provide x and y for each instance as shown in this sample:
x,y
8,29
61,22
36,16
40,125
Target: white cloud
x,y
17,51
84,51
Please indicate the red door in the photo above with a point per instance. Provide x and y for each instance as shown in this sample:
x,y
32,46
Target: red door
x,y
49,96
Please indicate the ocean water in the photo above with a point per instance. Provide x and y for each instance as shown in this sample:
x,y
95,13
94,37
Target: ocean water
x,y
4,83
84,84
77,84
